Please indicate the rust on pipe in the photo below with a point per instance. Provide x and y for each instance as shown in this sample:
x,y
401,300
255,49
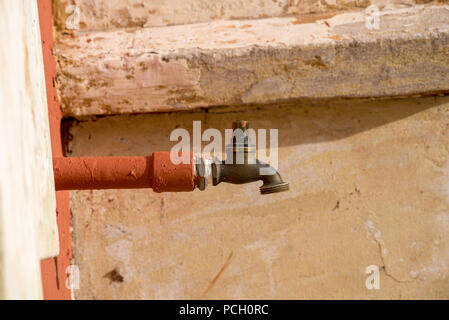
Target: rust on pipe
x,y
156,171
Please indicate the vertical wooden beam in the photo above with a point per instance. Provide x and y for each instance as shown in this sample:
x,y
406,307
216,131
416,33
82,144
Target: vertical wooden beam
x,y
28,230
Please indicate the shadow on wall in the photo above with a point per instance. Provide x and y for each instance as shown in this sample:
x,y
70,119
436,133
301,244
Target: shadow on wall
x,y
350,164
298,124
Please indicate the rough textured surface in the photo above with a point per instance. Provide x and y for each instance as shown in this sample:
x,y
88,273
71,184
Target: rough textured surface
x,y
28,230
170,177
254,61
89,173
107,14
369,186
112,14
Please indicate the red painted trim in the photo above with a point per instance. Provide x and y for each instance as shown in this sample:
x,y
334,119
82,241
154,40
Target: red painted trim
x,y
53,270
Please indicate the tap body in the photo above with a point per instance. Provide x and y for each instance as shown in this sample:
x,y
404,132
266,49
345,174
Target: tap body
x,y
241,165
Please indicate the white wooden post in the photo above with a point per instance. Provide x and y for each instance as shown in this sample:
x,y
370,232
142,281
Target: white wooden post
x,y
28,230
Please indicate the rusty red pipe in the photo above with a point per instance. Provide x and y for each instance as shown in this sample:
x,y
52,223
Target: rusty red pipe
x,y
156,171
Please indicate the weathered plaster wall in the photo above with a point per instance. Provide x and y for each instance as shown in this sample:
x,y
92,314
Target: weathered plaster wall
x,y
368,178
369,186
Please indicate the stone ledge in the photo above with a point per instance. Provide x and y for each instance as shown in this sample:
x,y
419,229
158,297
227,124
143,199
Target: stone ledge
x,y
115,14
107,14
254,61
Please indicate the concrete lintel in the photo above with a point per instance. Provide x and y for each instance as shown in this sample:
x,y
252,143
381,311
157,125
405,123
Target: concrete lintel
x,y
254,61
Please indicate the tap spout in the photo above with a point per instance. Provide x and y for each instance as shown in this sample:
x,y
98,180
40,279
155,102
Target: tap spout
x,y
245,173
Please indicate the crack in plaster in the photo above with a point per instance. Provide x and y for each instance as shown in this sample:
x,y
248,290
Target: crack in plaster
x,y
376,238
